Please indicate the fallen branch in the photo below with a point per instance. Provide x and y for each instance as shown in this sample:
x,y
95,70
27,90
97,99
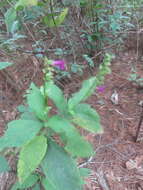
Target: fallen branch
x,y
102,180
139,125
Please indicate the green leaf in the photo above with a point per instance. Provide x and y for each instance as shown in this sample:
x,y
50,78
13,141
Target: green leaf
x,y
26,113
56,95
36,187
75,144
21,108
29,116
57,21
3,3
4,65
30,157
4,166
26,3
48,185
15,26
36,102
29,182
87,89
10,17
19,132
15,186
85,172
60,170
87,118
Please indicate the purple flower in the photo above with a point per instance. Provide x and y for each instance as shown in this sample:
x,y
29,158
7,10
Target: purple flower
x,y
100,88
60,64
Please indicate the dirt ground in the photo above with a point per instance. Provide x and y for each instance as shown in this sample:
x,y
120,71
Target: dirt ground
x,y
118,163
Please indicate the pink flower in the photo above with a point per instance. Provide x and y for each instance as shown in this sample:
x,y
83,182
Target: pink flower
x,y
60,64
100,88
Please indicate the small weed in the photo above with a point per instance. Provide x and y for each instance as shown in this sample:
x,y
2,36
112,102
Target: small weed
x,y
48,144
134,77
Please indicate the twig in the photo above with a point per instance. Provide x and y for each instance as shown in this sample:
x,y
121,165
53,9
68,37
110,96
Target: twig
x,y
139,125
3,117
138,38
85,163
102,180
30,33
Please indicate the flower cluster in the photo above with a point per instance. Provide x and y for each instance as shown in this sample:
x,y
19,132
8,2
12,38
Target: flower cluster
x,y
104,69
60,64
100,88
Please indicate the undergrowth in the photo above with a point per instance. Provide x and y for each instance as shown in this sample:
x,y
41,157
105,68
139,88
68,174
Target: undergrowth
x,y
47,145
75,34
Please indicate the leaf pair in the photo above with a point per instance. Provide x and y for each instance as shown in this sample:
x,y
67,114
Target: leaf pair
x,y
52,20
80,114
22,133
58,167
56,95
87,89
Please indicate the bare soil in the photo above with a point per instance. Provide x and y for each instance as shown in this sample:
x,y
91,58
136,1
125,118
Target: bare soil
x,y
118,163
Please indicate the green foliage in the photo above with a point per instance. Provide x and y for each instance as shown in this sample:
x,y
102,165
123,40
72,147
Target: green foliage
x,y
4,65
102,23
87,89
86,117
36,187
75,144
56,95
30,157
89,60
8,44
37,126
10,17
19,132
84,172
36,102
60,170
134,77
106,23
26,3
77,69
29,182
4,166
89,85
55,20
47,184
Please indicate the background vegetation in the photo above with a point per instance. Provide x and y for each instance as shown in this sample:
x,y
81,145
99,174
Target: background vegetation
x,y
81,34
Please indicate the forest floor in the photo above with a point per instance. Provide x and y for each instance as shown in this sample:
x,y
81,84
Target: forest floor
x,y
118,163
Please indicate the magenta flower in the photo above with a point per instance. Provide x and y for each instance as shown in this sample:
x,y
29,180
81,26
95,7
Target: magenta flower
x,y
60,64
100,88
